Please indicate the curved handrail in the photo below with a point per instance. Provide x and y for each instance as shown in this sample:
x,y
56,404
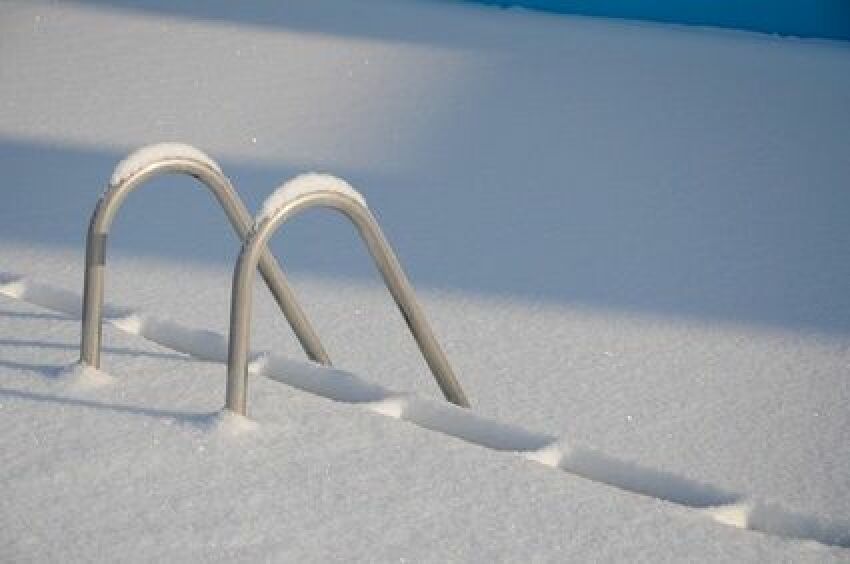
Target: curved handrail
x,y
385,260
208,174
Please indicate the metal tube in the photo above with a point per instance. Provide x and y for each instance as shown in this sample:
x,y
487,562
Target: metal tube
x,y
241,220
386,261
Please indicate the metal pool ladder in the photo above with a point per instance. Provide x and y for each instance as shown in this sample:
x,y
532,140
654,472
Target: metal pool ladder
x,y
402,292
254,254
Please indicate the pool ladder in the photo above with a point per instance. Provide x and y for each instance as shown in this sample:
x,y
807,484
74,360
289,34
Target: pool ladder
x,y
254,254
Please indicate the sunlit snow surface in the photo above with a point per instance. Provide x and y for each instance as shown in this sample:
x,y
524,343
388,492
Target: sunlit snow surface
x,y
631,241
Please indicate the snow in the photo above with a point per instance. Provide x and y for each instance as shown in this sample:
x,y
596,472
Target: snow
x,y
306,184
150,154
724,507
81,375
150,467
630,239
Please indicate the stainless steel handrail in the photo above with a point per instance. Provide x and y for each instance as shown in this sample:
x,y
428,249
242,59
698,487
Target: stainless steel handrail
x,y
240,219
385,260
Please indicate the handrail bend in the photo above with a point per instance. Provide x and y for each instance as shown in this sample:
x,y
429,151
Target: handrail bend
x,y
385,260
240,219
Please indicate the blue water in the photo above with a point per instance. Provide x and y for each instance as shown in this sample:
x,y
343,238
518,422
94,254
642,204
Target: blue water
x,y
802,18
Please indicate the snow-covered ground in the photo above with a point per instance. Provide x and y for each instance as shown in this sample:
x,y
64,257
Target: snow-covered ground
x,y
631,240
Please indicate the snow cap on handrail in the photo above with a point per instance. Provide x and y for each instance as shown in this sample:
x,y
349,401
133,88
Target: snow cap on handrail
x,y
150,154
305,184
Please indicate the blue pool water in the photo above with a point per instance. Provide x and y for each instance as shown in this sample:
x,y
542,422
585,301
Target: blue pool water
x,y
802,18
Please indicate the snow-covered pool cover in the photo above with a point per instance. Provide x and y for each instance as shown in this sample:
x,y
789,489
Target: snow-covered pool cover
x,y
729,508
145,156
305,184
643,271
154,433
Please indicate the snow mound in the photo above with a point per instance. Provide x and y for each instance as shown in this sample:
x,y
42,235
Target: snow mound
x,y
228,423
732,514
393,406
200,343
82,376
141,158
550,455
305,184
133,323
13,287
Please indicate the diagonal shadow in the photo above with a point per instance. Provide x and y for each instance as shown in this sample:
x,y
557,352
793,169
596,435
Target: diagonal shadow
x,y
200,419
46,370
721,254
27,315
75,347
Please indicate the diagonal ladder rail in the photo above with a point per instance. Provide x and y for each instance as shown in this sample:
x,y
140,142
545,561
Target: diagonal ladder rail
x,y
352,206
186,160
